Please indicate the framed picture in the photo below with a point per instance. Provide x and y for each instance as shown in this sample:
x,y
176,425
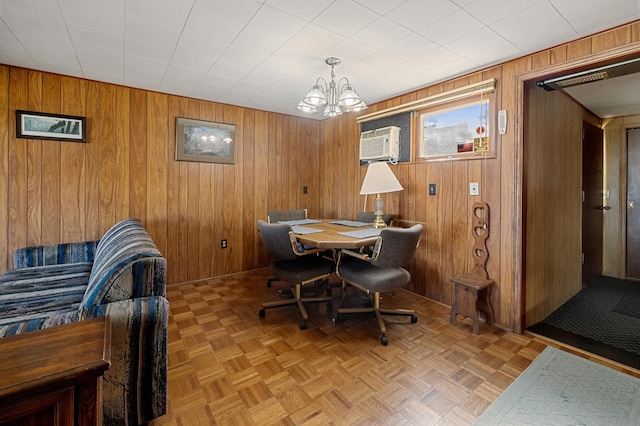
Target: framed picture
x,y
205,141
59,127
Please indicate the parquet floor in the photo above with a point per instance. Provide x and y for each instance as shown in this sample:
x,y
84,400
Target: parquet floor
x,y
227,366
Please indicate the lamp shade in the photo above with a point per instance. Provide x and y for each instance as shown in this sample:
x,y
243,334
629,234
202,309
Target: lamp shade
x,y
379,179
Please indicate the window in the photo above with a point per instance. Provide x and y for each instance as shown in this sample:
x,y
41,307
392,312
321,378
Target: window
x,y
457,129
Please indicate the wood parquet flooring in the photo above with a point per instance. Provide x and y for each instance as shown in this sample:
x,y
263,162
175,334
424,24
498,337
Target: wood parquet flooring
x,y
227,366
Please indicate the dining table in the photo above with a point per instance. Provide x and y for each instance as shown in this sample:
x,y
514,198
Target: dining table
x,y
334,233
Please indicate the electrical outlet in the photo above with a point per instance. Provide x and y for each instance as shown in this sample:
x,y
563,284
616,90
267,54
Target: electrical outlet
x,y
432,189
474,189
223,244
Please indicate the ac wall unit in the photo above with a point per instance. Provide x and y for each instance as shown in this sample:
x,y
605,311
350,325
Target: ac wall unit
x,y
380,144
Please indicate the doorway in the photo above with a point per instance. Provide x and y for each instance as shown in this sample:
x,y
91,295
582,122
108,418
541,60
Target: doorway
x,y
593,202
633,205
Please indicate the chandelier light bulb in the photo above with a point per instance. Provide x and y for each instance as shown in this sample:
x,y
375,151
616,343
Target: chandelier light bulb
x,y
336,98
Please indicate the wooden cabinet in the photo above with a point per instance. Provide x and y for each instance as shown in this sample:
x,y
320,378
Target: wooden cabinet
x,y
53,376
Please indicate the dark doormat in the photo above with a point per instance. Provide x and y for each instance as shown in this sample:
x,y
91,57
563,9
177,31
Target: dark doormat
x,y
630,304
590,321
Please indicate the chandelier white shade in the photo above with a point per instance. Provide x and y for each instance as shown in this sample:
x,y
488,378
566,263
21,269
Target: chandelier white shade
x,y
333,98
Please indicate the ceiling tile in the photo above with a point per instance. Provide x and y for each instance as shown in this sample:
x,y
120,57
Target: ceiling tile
x,y
152,51
266,53
495,54
306,10
411,46
345,17
418,14
88,35
528,21
451,27
310,42
490,11
170,14
381,34
479,40
586,20
544,35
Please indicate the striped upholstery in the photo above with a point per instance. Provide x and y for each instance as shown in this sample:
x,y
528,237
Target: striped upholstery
x,y
123,276
127,264
55,254
36,292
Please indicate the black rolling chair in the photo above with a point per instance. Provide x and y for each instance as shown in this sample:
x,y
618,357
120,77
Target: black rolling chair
x,y
293,265
380,272
275,216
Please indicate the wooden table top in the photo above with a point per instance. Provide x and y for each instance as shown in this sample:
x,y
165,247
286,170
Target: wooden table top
x,y
52,356
330,237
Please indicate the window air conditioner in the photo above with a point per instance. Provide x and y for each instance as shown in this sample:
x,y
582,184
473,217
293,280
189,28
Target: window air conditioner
x,y
380,144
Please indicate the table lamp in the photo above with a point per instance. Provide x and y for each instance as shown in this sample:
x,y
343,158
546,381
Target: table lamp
x,y
378,180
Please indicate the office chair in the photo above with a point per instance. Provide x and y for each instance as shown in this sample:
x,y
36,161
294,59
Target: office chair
x,y
292,265
275,216
380,272
369,217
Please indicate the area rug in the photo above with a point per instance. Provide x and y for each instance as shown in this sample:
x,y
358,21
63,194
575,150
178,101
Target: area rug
x,y
601,319
559,388
630,304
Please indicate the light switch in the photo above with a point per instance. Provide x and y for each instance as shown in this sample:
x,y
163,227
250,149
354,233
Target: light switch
x,y
473,188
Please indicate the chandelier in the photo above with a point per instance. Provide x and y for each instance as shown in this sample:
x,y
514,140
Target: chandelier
x,y
335,98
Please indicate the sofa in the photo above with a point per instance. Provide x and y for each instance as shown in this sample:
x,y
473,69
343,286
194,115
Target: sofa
x,y
123,275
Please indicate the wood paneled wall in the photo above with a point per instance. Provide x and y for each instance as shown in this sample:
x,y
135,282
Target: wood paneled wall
x,y
553,201
54,191
61,191
446,242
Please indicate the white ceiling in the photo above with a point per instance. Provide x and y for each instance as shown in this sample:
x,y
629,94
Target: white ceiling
x,y
614,97
266,54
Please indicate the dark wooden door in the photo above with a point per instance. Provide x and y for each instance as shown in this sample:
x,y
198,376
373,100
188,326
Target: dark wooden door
x,y
633,203
593,202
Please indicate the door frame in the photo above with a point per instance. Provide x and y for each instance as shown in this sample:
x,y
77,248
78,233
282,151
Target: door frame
x,y
521,81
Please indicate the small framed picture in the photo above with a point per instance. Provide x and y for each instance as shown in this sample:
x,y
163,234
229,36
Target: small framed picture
x,y
205,141
59,127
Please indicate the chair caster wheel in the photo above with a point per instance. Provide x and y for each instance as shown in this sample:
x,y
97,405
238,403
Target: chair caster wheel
x,y
384,340
414,319
340,318
261,313
303,325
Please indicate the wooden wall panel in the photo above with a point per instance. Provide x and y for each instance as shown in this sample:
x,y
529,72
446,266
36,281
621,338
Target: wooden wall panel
x,y
34,166
5,134
17,166
553,185
127,169
54,191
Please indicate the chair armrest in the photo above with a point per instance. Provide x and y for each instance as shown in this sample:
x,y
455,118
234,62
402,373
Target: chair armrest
x,y
300,249
356,254
54,254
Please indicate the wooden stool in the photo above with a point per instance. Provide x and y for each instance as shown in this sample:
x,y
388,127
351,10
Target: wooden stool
x,y
472,296
472,291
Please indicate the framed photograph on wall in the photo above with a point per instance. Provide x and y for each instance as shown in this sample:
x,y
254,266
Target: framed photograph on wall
x,y
40,125
205,141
